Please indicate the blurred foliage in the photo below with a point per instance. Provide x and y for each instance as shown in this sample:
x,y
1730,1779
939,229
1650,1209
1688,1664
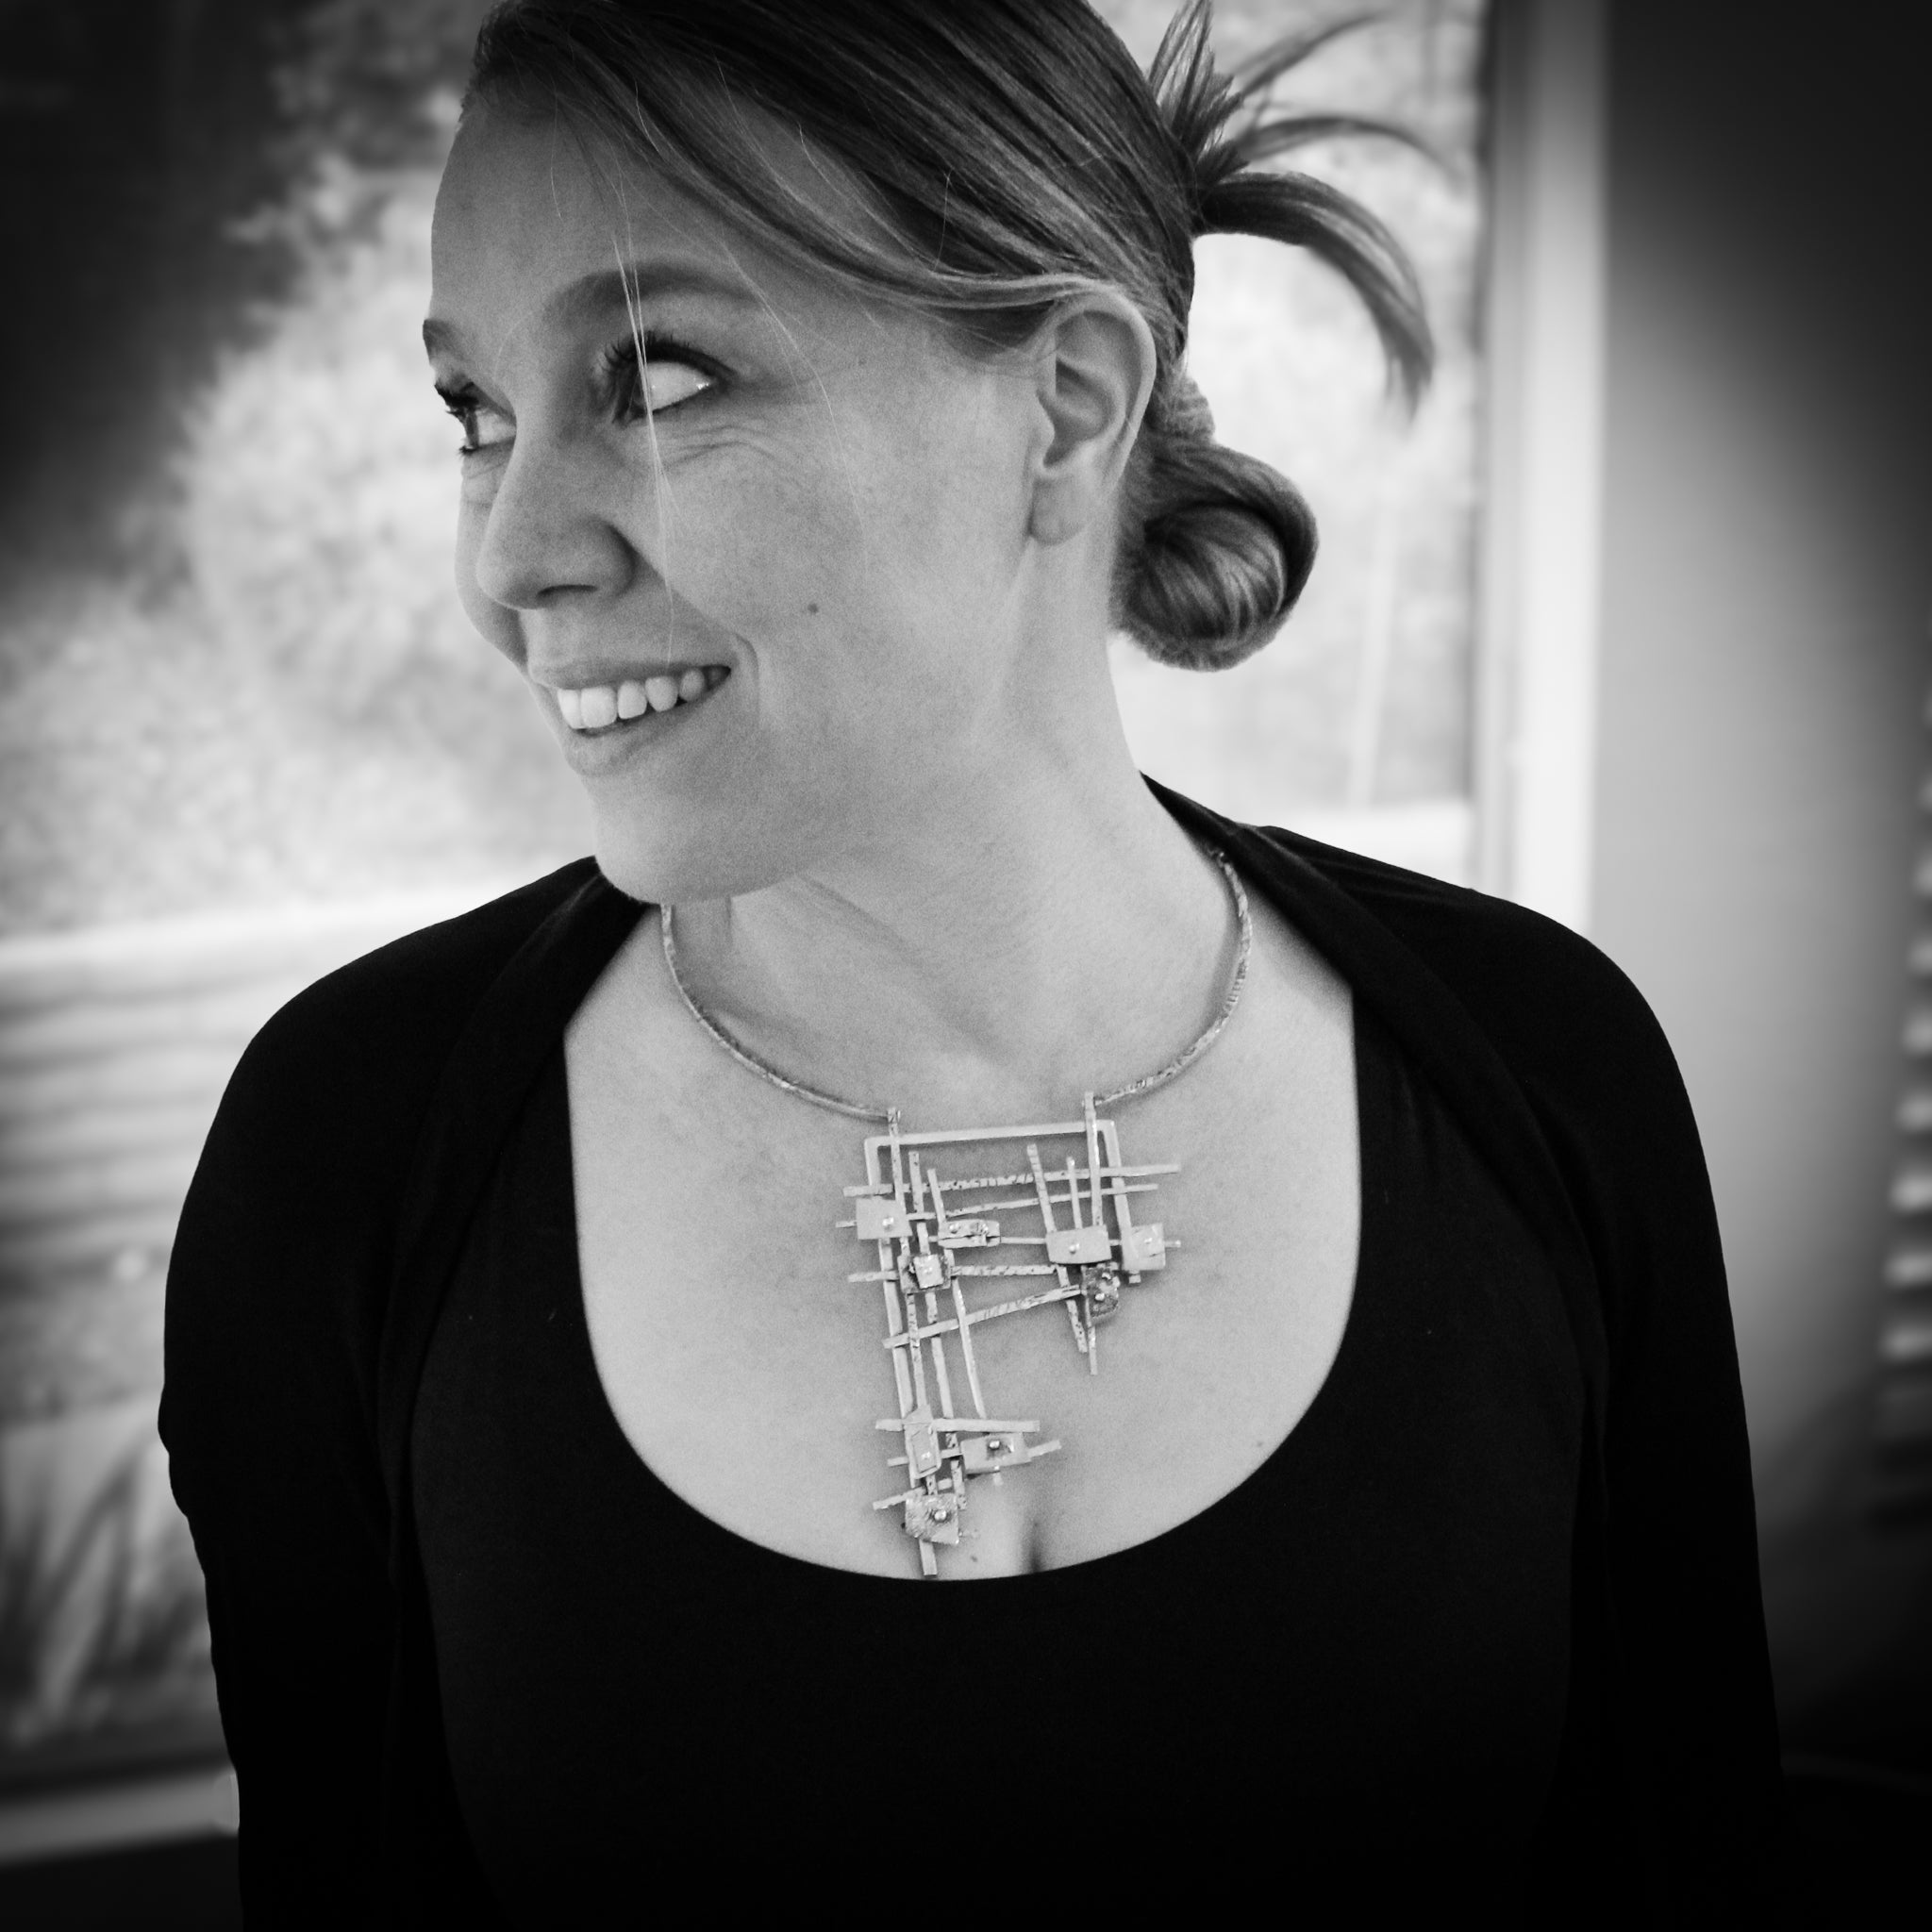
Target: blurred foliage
x,y
368,92
103,1639
132,134
364,80
232,667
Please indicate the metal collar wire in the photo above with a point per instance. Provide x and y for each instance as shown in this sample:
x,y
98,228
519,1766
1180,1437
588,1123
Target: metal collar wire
x,y
889,1116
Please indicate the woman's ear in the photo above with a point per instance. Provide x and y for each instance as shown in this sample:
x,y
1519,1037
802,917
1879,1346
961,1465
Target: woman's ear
x,y
1093,372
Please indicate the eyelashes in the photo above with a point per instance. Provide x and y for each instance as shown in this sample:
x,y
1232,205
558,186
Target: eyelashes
x,y
469,409
665,377
632,389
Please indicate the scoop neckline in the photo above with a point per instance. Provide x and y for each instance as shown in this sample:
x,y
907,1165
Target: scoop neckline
x,y
612,1443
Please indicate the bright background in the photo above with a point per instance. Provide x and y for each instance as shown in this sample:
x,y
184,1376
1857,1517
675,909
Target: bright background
x,y
246,733
232,684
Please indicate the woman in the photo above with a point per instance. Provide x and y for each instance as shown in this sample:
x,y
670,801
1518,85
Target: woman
x,y
591,1316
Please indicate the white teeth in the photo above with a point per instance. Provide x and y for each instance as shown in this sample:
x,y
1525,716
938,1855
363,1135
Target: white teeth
x,y
596,705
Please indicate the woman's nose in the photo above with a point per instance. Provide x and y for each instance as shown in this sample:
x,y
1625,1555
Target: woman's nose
x,y
552,527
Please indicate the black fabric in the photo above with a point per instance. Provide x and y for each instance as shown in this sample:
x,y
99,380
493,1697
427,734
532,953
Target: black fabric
x,y
1369,1639
339,1185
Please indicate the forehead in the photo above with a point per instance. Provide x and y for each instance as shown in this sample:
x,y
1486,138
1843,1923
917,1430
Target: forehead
x,y
532,216
530,203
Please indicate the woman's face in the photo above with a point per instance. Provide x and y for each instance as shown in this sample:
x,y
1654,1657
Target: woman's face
x,y
809,556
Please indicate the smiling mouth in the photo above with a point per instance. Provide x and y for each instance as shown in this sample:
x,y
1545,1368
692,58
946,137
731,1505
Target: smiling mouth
x,y
596,707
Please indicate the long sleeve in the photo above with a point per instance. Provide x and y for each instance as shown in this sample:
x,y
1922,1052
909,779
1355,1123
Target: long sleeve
x,y
1563,1078
274,1304
277,1296
1693,1699
1681,1529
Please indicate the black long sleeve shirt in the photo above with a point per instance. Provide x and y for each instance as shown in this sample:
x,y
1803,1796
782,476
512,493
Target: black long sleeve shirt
x,y
360,1142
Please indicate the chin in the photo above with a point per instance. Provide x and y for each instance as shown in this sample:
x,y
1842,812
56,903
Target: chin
x,y
682,856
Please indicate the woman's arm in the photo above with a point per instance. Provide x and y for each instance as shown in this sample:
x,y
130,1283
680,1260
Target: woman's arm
x,y
1691,1700
278,1299
1680,1535
276,1294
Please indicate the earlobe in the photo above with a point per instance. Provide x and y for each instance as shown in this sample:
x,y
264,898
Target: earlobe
x,y
1094,373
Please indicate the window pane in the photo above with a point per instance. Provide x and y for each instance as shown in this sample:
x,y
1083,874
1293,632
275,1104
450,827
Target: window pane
x,y
1355,723
246,732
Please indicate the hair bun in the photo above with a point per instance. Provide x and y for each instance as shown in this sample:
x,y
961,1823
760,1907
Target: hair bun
x,y
1226,545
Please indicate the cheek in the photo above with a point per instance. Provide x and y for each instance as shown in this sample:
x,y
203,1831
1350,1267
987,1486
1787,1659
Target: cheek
x,y
940,503
494,622
893,528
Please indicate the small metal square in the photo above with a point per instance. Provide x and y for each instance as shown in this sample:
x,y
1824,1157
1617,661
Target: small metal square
x,y
921,1443
1068,1246
879,1218
1145,1249
971,1233
933,1519
1103,1286
983,1455
927,1272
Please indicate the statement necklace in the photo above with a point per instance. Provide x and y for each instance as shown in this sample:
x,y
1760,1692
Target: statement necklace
x,y
935,1235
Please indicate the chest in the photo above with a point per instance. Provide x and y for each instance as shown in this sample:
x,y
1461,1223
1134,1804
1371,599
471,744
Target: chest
x,y
751,1370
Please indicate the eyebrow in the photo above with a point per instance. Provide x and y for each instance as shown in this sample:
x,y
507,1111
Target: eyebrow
x,y
614,287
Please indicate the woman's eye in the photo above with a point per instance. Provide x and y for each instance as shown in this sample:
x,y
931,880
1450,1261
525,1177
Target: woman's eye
x,y
659,378
483,427
666,383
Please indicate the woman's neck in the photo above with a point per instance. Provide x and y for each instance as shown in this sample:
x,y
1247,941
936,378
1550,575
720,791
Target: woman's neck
x,y
997,951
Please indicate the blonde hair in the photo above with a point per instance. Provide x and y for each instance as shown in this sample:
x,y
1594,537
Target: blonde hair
x,y
1016,154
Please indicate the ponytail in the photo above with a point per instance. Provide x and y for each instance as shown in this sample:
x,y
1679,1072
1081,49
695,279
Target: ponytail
x,y
1216,545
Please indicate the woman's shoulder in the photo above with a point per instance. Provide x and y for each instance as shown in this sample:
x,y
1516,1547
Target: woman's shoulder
x,y
1475,982
1554,1004
288,1224
325,1106
1474,974
390,1017
1535,1036
1543,995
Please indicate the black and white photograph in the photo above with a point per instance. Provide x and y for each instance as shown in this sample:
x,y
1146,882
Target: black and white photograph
x,y
1124,800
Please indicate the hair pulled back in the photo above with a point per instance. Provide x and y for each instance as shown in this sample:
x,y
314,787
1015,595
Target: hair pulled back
x,y
1016,155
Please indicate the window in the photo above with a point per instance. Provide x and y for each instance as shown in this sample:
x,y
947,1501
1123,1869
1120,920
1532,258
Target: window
x,y
245,733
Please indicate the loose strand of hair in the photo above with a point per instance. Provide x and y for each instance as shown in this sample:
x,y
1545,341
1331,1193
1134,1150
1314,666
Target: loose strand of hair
x,y
1235,196
1303,213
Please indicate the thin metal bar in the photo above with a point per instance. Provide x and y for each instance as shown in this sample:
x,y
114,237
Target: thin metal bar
x,y
916,1354
971,1425
1123,1222
895,1328
1044,1201
966,1347
1093,1161
944,1137
939,1208
946,1324
1019,1180
1031,1201
932,1304
938,1363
